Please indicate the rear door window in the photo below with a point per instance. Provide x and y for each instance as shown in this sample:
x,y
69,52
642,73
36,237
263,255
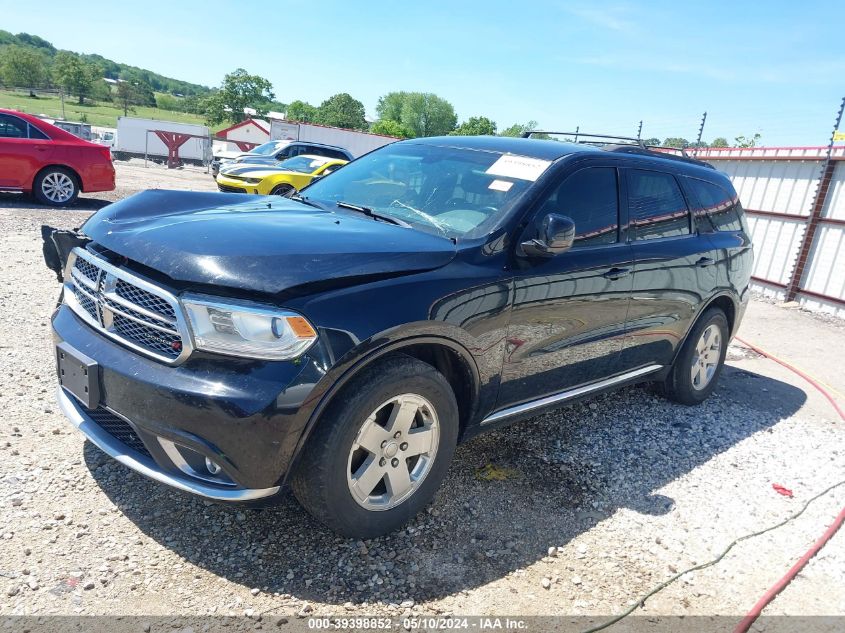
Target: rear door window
x,y
656,206
716,209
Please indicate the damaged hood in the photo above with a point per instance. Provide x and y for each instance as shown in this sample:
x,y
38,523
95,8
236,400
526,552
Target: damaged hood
x,y
262,244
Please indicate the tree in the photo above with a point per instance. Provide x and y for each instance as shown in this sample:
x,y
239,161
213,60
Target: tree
x,y
676,141
518,129
388,127
420,114
127,96
22,66
719,141
651,141
389,106
74,74
239,90
100,91
341,110
301,111
742,141
169,102
476,126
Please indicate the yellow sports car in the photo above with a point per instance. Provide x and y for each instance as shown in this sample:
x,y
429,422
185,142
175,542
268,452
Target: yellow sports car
x,y
281,179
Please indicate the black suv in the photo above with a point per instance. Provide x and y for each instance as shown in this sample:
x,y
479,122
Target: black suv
x,y
344,341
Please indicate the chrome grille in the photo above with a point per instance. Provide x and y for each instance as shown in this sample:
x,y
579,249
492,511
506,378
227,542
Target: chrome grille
x,y
87,269
168,344
88,304
145,299
126,307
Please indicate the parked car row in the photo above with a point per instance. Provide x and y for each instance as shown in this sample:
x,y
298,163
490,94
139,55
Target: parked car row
x,y
280,179
276,151
48,162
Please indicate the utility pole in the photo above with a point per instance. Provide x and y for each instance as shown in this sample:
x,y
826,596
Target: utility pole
x,y
700,130
822,190
835,128
577,129
62,97
640,131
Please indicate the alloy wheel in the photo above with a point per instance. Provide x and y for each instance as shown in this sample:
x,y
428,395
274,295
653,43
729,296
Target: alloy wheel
x,y
393,452
708,353
58,187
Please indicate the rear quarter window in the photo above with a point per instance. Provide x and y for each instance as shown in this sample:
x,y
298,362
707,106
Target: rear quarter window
x,y
715,208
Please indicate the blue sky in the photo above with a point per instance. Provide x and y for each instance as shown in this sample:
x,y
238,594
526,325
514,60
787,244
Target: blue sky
x,y
773,67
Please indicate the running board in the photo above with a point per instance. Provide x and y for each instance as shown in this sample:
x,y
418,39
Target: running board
x,y
568,395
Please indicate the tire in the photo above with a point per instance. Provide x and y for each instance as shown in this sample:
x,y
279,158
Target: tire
x,y
283,190
56,186
694,377
334,458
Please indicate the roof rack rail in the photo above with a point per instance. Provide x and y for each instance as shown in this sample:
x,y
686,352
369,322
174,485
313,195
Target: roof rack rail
x,y
577,135
630,145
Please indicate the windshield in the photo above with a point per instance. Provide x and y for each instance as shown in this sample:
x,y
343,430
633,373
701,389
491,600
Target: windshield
x,y
302,164
444,190
265,149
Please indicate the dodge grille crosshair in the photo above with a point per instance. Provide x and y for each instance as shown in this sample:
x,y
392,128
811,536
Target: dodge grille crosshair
x,y
125,307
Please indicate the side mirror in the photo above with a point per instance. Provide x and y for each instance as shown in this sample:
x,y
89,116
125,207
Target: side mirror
x,y
556,233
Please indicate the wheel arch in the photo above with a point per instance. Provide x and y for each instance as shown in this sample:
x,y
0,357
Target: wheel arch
x,y
449,357
68,168
279,185
727,303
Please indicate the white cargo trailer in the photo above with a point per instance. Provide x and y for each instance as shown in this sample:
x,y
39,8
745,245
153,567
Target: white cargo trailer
x,y
356,143
137,138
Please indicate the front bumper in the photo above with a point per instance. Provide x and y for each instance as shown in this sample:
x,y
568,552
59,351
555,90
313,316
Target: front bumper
x,y
244,415
113,447
231,185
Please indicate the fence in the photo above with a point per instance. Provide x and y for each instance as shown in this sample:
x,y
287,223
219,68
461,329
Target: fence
x,y
794,198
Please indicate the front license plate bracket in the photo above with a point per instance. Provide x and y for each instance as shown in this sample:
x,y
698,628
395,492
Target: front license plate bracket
x,y
79,375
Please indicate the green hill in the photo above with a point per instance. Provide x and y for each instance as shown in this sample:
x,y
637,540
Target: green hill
x,y
102,113
111,69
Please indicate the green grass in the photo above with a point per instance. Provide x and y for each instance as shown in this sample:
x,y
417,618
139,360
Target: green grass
x,y
103,114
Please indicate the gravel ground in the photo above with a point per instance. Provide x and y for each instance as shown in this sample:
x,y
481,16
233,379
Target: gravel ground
x,y
596,503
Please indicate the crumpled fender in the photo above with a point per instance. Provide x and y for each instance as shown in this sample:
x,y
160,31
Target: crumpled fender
x,y
57,245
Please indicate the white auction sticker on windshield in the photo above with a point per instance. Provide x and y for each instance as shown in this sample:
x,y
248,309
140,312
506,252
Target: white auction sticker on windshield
x,y
500,185
522,167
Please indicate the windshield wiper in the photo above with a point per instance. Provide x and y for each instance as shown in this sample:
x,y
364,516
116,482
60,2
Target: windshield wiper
x,y
308,201
370,213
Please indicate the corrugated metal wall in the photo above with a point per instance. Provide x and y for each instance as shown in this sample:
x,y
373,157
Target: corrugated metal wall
x,y
778,187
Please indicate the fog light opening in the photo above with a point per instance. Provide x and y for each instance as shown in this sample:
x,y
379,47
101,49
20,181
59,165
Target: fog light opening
x,y
212,467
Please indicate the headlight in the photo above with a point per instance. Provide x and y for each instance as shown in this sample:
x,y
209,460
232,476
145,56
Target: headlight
x,y
252,181
243,329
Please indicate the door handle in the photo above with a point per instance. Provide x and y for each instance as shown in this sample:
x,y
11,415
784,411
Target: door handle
x,y
40,148
704,262
617,273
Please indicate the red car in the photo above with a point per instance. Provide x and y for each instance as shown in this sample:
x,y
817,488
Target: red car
x,y
53,165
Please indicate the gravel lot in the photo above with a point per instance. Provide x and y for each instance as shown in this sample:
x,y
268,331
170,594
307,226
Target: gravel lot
x,y
596,504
